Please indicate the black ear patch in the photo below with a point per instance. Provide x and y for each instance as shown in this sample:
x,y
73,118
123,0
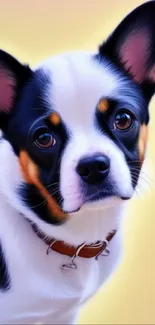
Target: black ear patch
x,y
4,274
132,45
13,75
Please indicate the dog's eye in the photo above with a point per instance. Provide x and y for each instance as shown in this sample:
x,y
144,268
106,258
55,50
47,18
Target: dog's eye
x,y
123,121
45,140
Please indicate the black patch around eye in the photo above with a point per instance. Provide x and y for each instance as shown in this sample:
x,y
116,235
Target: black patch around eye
x,y
126,140
48,162
4,274
47,158
105,122
33,107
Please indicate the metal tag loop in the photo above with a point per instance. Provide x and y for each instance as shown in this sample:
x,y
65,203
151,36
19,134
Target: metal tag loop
x,y
105,251
72,264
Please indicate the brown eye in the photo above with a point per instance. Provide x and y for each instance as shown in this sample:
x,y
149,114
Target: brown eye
x,y
123,121
45,140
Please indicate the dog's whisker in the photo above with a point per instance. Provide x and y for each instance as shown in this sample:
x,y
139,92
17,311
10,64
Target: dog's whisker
x,y
139,177
135,190
136,184
44,201
140,188
56,185
142,172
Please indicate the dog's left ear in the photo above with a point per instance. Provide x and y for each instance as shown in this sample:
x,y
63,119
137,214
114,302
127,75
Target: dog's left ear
x,y
13,76
132,46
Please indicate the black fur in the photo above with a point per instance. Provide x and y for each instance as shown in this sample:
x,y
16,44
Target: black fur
x,y
30,115
5,283
126,140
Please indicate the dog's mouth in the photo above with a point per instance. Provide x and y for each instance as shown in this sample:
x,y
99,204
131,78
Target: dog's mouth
x,y
91,198
73,211
98,197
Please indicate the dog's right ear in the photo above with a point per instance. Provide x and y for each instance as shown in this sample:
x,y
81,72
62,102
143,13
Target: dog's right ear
x,y
131,46
13,76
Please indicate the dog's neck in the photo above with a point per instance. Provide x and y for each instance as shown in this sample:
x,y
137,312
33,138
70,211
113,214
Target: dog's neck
x,y
89,225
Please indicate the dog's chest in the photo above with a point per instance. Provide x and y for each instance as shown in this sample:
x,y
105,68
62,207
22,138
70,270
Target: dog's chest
x,y
41,291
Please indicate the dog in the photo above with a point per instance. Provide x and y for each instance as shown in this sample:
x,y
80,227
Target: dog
x,y
74,136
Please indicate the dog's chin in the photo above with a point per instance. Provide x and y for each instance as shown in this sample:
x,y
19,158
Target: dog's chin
x,y
97,203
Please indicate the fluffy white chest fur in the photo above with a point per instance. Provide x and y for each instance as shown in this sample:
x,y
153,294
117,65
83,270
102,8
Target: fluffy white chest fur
x,y
41,291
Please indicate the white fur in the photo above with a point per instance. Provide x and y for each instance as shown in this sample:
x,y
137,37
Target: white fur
x,y
40,291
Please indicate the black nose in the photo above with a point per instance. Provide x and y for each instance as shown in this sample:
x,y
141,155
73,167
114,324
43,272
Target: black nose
x,y
93,169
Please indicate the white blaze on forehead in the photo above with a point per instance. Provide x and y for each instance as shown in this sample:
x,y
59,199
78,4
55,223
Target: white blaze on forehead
x,y
77,83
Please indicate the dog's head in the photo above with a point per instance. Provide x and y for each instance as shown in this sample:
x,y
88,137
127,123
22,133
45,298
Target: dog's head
x,y
77,125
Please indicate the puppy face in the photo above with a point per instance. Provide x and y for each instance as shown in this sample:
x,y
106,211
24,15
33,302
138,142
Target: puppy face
x,y
78,123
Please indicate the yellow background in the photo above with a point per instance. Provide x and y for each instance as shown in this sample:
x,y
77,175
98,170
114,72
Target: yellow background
x,y
34,29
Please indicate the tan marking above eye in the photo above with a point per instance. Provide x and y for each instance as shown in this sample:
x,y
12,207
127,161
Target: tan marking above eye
x,y
143,136
30,173
103,105
55,118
